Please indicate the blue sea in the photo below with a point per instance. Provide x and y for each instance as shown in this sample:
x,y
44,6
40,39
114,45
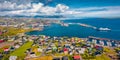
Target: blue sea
x,y
83,32
80,3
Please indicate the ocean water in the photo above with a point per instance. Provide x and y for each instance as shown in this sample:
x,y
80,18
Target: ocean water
x,y
83,32
81,3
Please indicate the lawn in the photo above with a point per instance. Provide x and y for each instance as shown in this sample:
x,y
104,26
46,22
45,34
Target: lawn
x,y
102,57
21,51
11,31
109,51
43,58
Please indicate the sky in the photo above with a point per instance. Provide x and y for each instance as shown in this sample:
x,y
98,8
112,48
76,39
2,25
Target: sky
x,y
64,8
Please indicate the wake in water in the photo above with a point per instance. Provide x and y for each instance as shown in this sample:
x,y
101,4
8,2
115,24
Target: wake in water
x,y
89,26
84,25
116,30
93,27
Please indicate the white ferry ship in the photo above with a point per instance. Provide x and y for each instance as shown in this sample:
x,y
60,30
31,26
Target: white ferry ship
x,y
103,29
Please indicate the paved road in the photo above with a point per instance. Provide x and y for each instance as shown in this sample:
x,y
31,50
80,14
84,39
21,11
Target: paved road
x,y
43,53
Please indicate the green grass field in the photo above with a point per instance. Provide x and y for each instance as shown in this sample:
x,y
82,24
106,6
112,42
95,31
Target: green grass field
x,y
21,51
102,57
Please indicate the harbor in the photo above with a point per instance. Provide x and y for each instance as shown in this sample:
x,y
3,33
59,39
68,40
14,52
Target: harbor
x,y
55,39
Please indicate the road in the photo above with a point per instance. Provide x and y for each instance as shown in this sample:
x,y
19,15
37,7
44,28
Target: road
x,y
43,53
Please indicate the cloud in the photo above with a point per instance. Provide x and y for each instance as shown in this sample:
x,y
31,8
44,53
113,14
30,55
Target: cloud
x,y
38,9
6,5
32,8
101,12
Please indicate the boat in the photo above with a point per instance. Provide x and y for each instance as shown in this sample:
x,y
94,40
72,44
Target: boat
x,y
103,29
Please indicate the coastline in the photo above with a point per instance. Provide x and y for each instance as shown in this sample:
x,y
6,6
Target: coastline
x,y
42,46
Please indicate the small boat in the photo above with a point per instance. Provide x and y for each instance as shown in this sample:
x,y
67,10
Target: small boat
x,y
103,29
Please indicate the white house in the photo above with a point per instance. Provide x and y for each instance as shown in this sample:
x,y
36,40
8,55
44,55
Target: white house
x,y
13,58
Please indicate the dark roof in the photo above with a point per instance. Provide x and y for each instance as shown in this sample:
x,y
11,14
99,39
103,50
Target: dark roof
x,y
32,53
56,58
64,58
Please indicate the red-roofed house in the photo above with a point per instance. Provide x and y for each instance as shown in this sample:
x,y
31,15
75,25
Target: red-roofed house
x,y
0,33
6,49
1,41
77,57
65,49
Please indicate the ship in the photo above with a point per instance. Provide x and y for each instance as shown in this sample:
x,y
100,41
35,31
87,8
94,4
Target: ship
x,y
103,29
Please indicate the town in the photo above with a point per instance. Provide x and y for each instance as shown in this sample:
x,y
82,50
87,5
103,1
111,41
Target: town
x,y
16,45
